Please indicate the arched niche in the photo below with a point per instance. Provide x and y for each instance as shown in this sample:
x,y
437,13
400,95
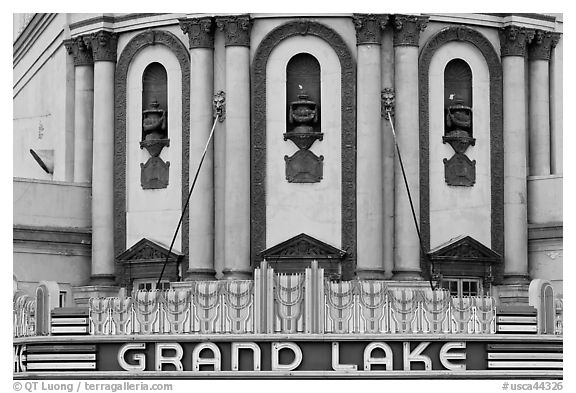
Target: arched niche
x,y
137,44
496,140
259,130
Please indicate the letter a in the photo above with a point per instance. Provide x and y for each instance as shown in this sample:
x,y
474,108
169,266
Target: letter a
x,y
369,360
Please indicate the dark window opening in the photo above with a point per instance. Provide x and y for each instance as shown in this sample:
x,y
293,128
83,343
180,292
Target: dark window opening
x,y
462,287
303,87
458,96
154,102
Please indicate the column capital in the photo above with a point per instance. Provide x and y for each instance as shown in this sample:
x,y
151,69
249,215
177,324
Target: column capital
x,y
103,44
369,27
236,29
407,29
200,32
542,44
514,40
80,52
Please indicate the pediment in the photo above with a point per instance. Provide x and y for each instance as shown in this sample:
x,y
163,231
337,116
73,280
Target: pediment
x,y
147,250
464,248
303,246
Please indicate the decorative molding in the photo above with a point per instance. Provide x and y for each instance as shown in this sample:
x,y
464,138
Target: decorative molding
x,y
473,37
258,150
407,29
147,250
80,52
387,102
544,232
219,106
369,28
236,29
304,167
542,44
52,240
514,40
145,260
303,246
297,253
154,174
103,44
463,249
111,19
465,256
547,18
459,170
200,32
134,46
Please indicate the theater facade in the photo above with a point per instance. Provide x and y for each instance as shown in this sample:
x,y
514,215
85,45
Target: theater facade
x,y
373,195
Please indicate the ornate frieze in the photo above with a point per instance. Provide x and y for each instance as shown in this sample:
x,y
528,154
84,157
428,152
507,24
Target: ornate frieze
x,y
542,44
369,28
200,32
514,40
79,50
236,29
407,29
103,44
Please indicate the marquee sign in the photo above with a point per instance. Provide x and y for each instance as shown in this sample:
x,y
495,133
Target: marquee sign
x,y
292,356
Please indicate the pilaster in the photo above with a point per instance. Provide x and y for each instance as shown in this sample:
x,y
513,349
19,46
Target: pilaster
x,y
200,33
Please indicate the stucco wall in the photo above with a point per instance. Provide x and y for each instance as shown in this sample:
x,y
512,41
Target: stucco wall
x,y
51,204
40,118
545,199
545,260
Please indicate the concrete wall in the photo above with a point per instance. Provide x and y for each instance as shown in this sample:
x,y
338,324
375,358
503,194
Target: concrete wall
x,y
153,214
545,218
51,234
454,210
545,199
29,268
42,82
545,259
51,204
312,208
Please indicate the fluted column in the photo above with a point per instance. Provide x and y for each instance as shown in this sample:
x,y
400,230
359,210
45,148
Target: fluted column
x,y
200,33
103,44
83,107
407,246
513,41
237,173
369,146
539,143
